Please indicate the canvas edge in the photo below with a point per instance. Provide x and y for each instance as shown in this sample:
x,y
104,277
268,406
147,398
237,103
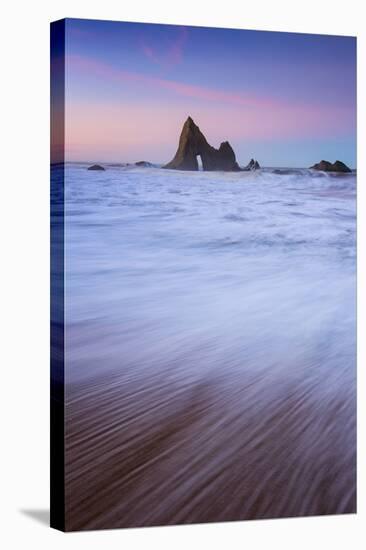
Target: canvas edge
x,y
57,391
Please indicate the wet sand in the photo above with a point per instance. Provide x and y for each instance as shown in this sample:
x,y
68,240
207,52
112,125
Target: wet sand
x,y
152,452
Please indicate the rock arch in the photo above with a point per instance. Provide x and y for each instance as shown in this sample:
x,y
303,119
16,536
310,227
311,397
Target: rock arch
x,y
193,143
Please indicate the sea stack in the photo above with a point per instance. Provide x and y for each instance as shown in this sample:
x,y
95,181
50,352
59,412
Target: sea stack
x,y
252,165
96,167
326,166
192,143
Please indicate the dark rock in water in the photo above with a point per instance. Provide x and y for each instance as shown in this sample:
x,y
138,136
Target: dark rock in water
x,y
286,171
327,166
339,166
143,163
96,167
192,143
252,165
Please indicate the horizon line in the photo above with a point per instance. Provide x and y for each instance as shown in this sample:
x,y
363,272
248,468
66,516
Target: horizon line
x,y
132,163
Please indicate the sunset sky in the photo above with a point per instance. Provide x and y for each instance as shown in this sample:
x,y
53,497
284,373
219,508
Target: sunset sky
x,y
284,99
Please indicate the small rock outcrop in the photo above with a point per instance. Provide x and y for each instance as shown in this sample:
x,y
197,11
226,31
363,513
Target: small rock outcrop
x,y
252,165
192,143
327,166
96,167
143,163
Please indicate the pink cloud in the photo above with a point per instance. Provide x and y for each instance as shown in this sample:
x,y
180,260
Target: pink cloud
x,y
172,56
267,105
98,68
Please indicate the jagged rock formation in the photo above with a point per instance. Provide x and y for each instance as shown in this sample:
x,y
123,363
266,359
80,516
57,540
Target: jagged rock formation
x,y
193,143
327,166
96,167
252,165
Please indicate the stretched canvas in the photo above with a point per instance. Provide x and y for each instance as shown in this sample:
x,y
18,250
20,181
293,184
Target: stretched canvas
x,y
203,274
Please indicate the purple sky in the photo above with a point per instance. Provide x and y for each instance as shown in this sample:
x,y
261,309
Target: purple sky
x,y
285,99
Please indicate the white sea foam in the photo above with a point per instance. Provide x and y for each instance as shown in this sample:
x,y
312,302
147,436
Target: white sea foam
x,y
216,256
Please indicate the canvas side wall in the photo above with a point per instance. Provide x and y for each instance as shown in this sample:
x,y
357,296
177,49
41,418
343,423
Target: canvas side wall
x,y
57,488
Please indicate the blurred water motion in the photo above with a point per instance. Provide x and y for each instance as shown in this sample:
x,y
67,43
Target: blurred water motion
x,y
210,346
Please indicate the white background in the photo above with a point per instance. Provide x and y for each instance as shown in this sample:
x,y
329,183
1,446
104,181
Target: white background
x,y
24,300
